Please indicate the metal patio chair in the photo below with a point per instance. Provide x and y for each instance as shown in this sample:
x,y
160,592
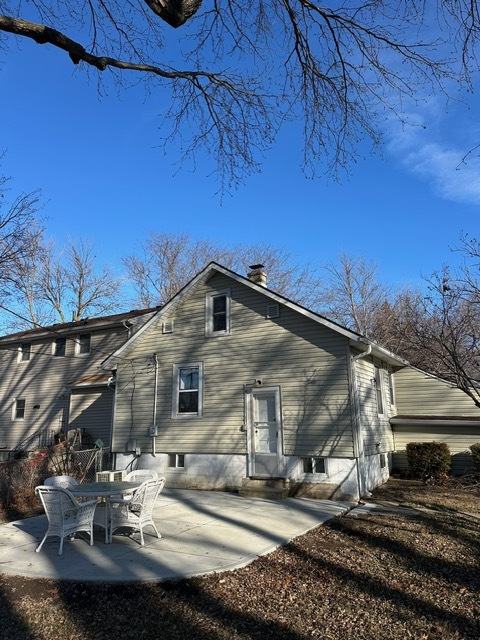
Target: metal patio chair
x,y
136,512
60,481
65,515
141,474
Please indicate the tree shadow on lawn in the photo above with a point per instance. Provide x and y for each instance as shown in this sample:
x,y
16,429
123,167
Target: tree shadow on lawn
x,y
427,571
325,589
11,625
459,529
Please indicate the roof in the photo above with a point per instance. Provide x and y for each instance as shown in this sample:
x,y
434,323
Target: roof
x,y
355,339
92,380
84,323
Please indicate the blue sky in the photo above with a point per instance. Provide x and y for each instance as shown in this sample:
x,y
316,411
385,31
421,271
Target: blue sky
x,y
103,178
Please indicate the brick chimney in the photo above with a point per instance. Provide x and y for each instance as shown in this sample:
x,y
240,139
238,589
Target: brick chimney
x,y
257,274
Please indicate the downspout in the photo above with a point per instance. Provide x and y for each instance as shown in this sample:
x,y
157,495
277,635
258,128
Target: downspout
x,y
357,431
155,388
128,327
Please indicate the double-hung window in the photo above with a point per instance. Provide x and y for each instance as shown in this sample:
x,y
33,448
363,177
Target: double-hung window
x,y
218,313
187,389
391,388
59,347
378,380
24,352
19,409
82,346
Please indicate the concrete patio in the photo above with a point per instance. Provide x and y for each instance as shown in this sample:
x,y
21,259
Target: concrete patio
x,y
202,532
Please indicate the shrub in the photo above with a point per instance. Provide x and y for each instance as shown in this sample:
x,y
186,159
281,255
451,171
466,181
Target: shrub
x,y
18,479
428,459
475,449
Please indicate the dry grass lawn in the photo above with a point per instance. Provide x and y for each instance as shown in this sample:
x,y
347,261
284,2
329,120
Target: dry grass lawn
x,y
409,572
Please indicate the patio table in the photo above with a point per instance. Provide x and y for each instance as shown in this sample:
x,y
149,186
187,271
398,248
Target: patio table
x,y
103,490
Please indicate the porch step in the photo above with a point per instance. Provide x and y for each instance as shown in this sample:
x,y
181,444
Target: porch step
x,y
264,488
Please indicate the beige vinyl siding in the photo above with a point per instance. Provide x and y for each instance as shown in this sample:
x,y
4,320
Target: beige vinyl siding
x,y
91,412
45,381
458,436
376,431
421,394
309,363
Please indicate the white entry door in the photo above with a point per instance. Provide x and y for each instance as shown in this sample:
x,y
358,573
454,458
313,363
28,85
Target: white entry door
x,y
265,441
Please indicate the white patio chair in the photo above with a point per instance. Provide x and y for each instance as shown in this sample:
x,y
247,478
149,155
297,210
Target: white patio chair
x,y
60,481
135,513
65,515
141,475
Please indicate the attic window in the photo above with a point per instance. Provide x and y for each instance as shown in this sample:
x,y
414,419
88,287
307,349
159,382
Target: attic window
x,y
167,326
217,320
273,311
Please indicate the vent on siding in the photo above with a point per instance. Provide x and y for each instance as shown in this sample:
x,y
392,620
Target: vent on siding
x,y
273,311
168,326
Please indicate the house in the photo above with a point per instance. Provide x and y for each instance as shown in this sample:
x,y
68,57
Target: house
x,y
230,385
51,382
430,408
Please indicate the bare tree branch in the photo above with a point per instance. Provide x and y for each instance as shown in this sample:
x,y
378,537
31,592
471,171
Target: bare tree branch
x,y
339,71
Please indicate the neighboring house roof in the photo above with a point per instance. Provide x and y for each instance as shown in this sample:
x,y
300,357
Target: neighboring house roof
x,y
83,324
356,340
92,380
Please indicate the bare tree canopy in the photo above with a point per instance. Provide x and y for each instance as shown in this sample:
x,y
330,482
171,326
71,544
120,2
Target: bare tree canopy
x,y
235,72
18,229
51,285
350,291
167,262
438,330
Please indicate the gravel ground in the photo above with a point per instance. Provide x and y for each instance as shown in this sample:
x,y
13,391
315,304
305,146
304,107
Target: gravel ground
x,y
401,573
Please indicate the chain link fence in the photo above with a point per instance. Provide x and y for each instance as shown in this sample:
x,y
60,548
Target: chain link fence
x,y
19,477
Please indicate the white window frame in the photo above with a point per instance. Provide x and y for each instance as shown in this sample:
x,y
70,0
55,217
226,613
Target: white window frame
x,y
391,389
22,352
54,348
176,390
167,326
15,415
209,300
313,460
78,344
379,385
178,459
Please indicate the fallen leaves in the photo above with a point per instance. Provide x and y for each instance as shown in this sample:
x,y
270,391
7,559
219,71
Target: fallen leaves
x,y
410,575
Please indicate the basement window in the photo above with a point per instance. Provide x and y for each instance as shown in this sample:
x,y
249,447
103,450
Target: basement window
x,y
176,461
314,465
